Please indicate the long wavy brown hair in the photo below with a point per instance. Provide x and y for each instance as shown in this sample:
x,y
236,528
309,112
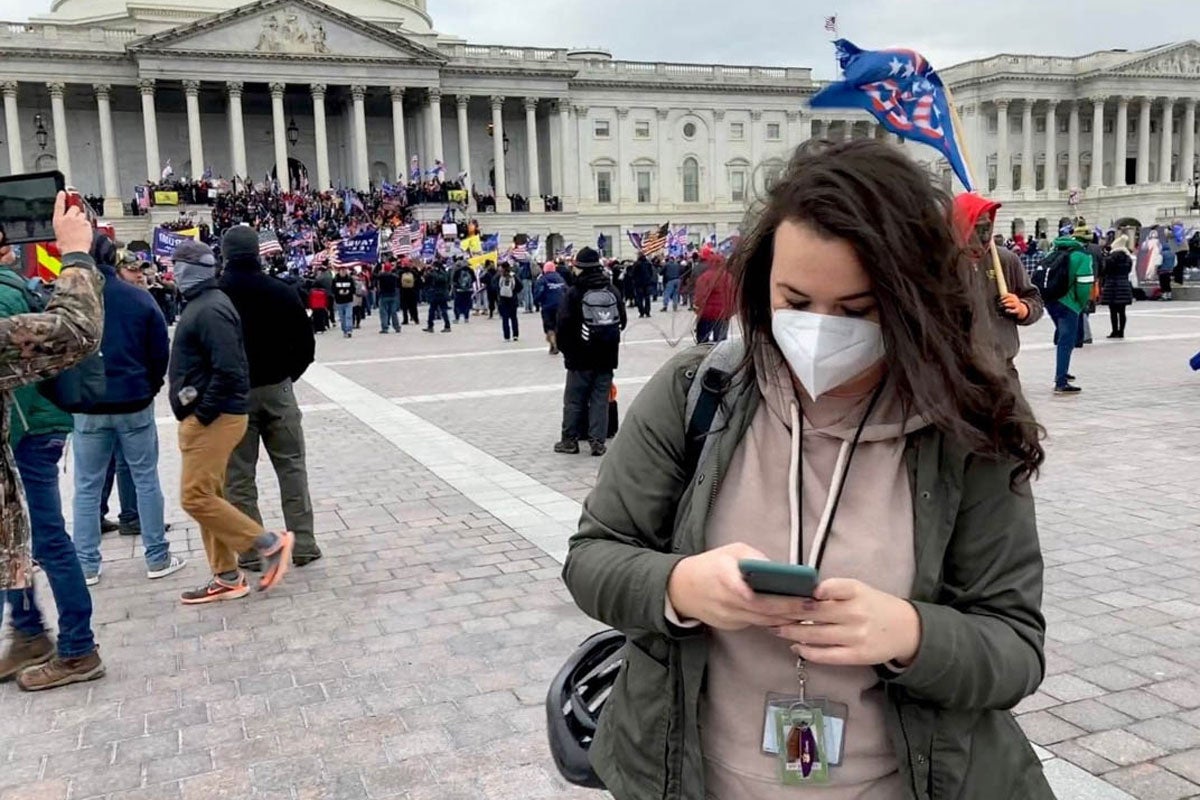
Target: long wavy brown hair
x,y
944,365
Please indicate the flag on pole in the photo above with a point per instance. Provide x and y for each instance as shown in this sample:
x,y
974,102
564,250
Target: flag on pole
x,y
902,91
635,239
654,242
268,244
831,24
677,241
414,169
568,251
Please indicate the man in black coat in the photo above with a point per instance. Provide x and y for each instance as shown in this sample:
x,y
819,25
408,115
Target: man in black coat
x,y
643,284
279,347
590,321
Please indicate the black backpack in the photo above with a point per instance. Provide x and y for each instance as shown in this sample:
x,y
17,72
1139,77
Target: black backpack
x,y
1053,276
79,389
601,311
466,281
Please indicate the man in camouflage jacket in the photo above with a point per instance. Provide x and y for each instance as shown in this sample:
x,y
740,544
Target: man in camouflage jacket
x,y
37,346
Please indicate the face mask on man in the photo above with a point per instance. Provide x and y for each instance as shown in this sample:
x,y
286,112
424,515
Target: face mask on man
x,y
825,351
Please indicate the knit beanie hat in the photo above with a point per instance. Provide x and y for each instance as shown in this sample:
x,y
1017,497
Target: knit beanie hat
x,y
240,242
587,257
194,264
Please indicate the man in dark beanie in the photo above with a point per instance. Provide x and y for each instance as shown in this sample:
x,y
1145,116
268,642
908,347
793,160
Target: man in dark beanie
x,y
209,387
279,347
590,321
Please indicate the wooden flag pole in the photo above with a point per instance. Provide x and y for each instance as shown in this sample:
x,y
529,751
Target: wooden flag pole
x,y
956,124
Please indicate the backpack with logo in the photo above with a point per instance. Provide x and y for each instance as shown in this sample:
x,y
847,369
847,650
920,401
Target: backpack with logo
x,y
76,390
408,281
508,287
465,280
1053,276
601,311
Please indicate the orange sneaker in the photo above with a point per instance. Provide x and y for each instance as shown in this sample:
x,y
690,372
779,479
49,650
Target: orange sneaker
x,y
276,562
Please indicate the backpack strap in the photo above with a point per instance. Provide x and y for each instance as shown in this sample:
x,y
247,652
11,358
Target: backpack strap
x,y
709,383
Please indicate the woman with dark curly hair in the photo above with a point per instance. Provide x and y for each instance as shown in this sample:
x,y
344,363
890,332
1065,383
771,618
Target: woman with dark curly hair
x,y
867,430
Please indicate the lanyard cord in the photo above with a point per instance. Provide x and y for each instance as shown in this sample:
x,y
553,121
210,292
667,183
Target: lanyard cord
x,y
835,498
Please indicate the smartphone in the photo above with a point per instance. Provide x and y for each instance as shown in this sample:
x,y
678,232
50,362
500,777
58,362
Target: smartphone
x,y
771,577
27,206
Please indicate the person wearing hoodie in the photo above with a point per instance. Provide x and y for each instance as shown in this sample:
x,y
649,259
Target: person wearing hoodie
x,y
714,303
588,331
437,279
508,300
548,292
209,393
465,286
135,351
1021,305
410,292
387,285
1116,290
280,347
863,435
1066,310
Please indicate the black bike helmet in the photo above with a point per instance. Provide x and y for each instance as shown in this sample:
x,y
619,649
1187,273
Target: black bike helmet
x,y
573,705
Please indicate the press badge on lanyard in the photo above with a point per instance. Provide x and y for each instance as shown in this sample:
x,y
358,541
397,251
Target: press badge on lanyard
x,y
807,735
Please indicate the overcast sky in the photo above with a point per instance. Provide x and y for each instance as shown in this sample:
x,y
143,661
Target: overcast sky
x,y
791,32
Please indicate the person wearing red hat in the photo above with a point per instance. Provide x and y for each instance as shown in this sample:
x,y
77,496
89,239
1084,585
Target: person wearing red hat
x,y
975,218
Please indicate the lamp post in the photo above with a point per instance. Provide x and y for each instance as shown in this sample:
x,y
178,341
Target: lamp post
x,y
1196,191
491,132
41,134
293,132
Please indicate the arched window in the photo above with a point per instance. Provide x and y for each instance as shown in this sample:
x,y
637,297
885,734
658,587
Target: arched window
x,y
691,180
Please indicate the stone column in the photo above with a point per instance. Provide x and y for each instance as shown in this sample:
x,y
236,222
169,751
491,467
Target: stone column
x,y
665,171
806,130
320,136
1051,165
362,168
1096,180
237,129
756,149
1003,161
435,125
58,113
1121,126
12,124
531,150
501,185
108,152
280,136
1073,147
1165,144
399,146
154,163
1027,166
191,94
587,194
461,103
1187,142
719,180
1143,159
569,185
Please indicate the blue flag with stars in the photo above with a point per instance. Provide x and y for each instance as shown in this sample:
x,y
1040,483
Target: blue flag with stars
x,y
902,91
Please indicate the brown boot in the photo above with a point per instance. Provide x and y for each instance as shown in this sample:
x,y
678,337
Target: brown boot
x,y
62,671
25,651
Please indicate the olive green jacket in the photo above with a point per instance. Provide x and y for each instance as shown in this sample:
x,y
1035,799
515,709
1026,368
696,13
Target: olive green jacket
x,y
978,591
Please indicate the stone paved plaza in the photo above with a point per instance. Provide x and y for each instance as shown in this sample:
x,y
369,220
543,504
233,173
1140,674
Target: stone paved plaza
x,y
412,662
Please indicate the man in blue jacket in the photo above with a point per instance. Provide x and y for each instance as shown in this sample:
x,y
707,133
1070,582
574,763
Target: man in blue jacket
x,y
135,351
548,293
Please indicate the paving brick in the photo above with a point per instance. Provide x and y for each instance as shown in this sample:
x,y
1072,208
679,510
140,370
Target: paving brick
x,y
1186,764
1045,728
1168,732
1091,715
1149,782
1120,747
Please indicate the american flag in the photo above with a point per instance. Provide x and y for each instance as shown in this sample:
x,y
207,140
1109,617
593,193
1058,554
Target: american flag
x,y
407,239
268,244
519,252
654,242
903,92
677,241
831,24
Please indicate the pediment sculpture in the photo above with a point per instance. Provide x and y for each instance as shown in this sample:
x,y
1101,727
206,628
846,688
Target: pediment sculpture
x,y
1184,62
292,33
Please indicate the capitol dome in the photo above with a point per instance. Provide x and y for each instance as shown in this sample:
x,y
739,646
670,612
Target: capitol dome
x,y
150,16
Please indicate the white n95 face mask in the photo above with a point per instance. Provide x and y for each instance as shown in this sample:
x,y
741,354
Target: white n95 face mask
x,y
826,351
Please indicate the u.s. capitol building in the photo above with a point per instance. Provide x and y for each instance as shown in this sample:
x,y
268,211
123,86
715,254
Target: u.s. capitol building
x,y
346,92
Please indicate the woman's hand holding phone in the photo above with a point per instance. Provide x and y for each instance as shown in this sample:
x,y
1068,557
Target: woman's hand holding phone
x,y
72,231
848,623
709,587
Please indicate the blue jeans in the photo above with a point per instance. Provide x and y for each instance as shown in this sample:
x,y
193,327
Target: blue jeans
x,y
37,461
671,294
345,313
1066,326
462,306
437,310
389,309
527,293
96,438
118,472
